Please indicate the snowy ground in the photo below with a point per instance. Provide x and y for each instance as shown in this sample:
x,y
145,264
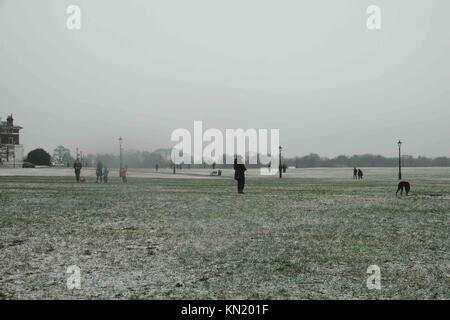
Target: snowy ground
x,y
310,235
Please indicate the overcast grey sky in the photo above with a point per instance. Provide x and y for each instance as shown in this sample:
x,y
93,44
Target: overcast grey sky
x,y
311,68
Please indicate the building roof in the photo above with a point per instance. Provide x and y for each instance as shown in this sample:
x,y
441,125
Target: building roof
x,y
4,125
9,123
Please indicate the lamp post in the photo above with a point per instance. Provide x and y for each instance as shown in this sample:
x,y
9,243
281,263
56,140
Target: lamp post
x,y
279,159
120,155
399,160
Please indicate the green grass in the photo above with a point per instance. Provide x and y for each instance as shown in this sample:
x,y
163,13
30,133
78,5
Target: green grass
x,y
295,238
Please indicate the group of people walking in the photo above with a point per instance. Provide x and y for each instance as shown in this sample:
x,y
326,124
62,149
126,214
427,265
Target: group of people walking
x,y
357,174
101,172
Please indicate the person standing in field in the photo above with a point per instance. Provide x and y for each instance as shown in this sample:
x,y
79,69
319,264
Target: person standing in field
x,y
77,166
156,167
123,174
98,172
355,173
105,173
239,173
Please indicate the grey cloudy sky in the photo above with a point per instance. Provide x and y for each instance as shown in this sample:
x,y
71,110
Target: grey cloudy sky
x,y
311,68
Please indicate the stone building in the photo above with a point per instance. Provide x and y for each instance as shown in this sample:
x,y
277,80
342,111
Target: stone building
x,y
11,151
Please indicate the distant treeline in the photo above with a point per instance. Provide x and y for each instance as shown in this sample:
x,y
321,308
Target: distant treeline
x,y
133,159
366,160
144,159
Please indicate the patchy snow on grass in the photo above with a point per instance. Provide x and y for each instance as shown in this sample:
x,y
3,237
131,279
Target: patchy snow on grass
x,y
310,235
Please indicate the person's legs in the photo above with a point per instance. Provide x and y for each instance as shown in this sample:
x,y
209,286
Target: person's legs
x,y
77,175
241,185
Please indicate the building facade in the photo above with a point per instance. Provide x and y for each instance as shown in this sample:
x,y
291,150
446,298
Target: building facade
x,y
11,151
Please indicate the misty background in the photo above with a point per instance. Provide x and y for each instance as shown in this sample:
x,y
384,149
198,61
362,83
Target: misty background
x,y
141,69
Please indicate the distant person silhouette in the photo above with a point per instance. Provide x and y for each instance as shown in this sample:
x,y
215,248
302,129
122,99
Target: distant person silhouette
x,y
239,173
98,172
105,173
77,166
360,174
124,173
156,167
355,173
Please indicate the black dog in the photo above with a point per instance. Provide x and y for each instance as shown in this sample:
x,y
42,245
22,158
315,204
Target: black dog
x,y
403,185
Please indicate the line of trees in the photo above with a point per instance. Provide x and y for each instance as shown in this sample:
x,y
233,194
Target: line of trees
x,y
132,158
145,159
366,160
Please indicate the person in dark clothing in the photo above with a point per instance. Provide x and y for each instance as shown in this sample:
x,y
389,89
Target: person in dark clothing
x,y
239,173
355,173
99,172
156,167
360,174
77,166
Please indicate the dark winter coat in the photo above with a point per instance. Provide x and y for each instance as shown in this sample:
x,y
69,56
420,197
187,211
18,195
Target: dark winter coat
x,y
77,165
239,171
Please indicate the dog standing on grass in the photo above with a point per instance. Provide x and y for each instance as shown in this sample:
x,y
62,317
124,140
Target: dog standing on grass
x,y
403,185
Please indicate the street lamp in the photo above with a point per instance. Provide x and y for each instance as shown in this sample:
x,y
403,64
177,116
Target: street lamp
x,y
120,155
399,160
279,159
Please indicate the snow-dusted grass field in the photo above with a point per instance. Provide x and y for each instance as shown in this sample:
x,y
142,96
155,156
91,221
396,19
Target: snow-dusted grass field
x,y
311,235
